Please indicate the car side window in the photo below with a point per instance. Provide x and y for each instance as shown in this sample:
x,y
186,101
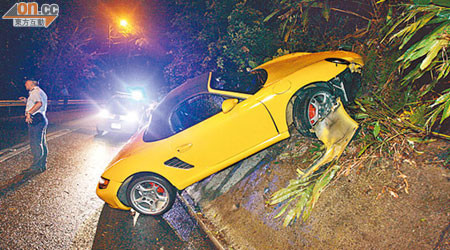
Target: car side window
x,y
195,110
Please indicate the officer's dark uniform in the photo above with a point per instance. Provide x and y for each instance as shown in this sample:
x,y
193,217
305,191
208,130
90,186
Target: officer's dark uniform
x,y
37,129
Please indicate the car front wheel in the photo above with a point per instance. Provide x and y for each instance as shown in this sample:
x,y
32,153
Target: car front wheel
x,y
150,195
310,106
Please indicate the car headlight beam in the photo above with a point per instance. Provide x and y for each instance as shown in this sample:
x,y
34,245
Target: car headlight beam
x,y
132,116
137,95
104,113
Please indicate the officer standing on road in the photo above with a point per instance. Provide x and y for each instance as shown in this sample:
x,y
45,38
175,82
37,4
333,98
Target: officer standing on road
x,y
36,106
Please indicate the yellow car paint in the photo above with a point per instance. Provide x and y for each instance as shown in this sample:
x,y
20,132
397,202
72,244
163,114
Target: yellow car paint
x,y
229,104
251,120
247,127
109,195
291,63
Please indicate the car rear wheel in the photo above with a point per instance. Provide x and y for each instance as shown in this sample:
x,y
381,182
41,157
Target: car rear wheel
x,y
150,195
310,106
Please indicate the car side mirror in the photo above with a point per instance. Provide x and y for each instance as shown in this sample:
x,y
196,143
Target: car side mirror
x,y
228,105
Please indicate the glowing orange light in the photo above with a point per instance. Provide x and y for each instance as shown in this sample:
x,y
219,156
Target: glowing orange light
x,y
123,23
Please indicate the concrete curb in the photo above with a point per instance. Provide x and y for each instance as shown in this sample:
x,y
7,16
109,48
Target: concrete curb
x,y
200,222
217,185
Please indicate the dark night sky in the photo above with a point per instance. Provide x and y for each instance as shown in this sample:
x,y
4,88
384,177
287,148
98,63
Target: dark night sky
x,y
19,47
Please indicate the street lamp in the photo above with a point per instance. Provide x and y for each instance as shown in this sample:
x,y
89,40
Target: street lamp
x,y
124,23
121,28
124,29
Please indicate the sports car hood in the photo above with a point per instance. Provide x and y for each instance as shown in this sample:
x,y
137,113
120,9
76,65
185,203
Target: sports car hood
x,y
133,145
285,65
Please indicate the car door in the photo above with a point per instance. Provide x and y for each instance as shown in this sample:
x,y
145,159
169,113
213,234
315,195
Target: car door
x,y
207,137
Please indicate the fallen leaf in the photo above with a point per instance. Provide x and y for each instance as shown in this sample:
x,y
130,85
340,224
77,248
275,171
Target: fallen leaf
x,y
402,176
381,193
412,163
135,218
406,186
392,193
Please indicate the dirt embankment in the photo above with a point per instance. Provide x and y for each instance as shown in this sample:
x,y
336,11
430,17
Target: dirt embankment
x,y
382,205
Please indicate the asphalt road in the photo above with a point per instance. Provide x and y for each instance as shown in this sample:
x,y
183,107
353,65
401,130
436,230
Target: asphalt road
x,y
58,209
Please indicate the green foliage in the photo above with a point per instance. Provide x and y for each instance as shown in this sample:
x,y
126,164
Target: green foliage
x,y
316,25
239,35
378,67
430,49
216,36
442,104
190,40
292,12
306,191
65,56
246,42
417,115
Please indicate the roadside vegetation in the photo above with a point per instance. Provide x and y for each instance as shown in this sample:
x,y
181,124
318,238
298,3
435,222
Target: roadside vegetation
x,y
405,99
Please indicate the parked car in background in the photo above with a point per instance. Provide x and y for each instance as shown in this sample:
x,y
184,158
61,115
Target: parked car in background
x,y
215,120
123,113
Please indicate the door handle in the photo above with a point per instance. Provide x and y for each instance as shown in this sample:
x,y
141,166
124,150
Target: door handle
x,y
184,148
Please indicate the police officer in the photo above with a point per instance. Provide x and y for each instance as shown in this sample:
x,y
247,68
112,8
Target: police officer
x,y
36,107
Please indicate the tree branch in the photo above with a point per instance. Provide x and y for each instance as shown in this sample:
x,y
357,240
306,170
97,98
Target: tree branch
x,y
351,13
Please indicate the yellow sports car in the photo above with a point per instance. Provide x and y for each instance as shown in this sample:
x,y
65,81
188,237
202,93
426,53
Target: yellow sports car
x,y
215,120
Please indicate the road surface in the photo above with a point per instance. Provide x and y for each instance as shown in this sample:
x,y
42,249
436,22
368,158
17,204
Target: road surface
x,y
58,209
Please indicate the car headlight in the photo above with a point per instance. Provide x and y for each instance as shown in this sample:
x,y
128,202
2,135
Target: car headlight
x,y
137,95
104,113
132,116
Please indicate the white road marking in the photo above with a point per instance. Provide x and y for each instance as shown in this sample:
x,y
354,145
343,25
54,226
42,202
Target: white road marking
x,y
5,154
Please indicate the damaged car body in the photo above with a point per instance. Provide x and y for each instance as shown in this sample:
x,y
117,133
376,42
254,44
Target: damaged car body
x,y
214,120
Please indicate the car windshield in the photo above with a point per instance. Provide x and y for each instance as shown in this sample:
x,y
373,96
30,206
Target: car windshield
x,y
159,127
241,82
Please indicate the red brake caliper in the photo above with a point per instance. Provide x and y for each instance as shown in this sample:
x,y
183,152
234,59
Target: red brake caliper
x,y
312,113
158,188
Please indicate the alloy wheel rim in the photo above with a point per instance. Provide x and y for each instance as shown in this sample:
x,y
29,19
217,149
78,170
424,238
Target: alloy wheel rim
x,y
150,197
319,106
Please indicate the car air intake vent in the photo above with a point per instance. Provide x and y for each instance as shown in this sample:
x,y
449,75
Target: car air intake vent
x,y
177,163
